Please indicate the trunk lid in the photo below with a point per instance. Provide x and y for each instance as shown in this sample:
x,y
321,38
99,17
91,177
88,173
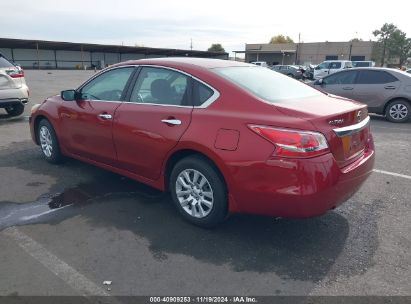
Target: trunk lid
x,y
343,122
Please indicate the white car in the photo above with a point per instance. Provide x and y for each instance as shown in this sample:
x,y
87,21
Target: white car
x,y
14,93
330,67
260,63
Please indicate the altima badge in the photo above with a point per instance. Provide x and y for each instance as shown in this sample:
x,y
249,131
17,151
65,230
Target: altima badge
x,y
336,121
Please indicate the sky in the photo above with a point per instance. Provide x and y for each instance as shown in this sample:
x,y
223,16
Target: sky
x,y
172,24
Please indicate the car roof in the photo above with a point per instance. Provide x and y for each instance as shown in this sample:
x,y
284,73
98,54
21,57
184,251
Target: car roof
x,y
182,62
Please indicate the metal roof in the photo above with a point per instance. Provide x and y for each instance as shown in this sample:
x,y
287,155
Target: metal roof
x,y
90,47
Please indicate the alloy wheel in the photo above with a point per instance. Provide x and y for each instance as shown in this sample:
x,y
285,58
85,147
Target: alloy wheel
x,y
398,111
194,193
46,141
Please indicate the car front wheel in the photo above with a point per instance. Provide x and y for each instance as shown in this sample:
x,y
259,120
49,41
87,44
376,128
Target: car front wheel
x,y
48,142
198,191
15,110
398,111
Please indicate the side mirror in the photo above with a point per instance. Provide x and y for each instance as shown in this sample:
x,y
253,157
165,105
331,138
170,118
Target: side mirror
x,y
68,95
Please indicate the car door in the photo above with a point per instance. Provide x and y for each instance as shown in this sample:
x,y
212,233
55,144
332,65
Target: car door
x,y
341,83
374,87
322,70
87,121
153,120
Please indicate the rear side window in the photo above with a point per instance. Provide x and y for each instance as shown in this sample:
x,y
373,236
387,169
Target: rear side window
x,y
267,84
335,65
4,63
375,77
201,93
161,86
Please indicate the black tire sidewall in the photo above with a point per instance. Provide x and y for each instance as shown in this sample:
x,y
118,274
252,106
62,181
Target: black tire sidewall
x,y
15,110
56,156
220,206
387,111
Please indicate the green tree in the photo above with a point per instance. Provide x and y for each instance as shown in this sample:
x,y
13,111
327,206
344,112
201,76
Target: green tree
x,y
281,39
216,47
399,46
384,35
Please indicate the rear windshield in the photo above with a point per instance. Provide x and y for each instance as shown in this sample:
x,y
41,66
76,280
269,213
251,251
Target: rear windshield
x,y
4,63
267,84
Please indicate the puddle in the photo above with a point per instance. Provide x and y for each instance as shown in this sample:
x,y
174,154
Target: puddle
x,y
49,206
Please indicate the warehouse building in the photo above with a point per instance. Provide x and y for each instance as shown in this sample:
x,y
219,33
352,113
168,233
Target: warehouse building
x,y
308,53
38,54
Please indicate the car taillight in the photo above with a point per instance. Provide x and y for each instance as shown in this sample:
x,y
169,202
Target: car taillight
x,y
17,73
293,143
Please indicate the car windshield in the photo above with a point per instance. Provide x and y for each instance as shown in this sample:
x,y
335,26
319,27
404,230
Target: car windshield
x,y
267,84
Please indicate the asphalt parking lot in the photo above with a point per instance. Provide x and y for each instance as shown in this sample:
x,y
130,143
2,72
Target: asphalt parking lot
x,y
66,229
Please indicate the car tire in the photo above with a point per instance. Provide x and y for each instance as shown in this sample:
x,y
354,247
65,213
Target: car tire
x,y
398,111
15,110
198,191
48,142
290,75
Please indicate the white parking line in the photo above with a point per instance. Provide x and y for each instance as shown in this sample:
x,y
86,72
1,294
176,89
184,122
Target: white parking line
x,y
392,173
68,274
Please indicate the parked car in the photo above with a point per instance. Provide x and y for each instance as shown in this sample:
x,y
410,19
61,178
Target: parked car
x,y
329,67
260,63
363,64
385,91
14,92
309,72
289,70
221,136
408,71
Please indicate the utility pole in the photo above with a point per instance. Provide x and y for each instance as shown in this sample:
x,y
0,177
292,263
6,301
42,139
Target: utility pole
x,y
38,55
191,43
297,55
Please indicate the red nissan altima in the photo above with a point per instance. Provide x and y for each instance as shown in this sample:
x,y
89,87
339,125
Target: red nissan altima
x,y
221,136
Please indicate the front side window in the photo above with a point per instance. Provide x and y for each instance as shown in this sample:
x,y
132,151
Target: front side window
x,y
340,78
107,86
267,84
161,86
375,77
323,66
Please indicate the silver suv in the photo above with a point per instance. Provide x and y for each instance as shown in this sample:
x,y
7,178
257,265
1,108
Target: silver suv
x,y
14,92
385,91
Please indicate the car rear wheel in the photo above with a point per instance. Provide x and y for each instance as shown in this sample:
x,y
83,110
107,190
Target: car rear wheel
x,y
198,191
290,75
48,142
15,110
398,111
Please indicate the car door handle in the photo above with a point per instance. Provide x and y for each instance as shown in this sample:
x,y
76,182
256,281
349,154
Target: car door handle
x,y
347,88
171,121
389,87
105,116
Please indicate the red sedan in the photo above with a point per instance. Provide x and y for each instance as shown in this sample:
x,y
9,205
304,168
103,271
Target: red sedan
x,y
221,136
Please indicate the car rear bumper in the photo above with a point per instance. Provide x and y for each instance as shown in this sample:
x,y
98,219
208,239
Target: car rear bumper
x,y
4,103
298,188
